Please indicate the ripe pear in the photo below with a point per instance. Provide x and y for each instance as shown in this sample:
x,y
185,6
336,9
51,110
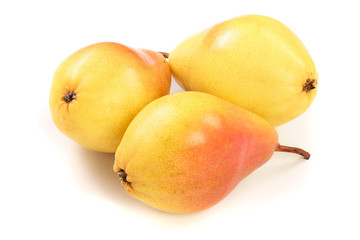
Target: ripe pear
x,y
185,152
253,61
98,90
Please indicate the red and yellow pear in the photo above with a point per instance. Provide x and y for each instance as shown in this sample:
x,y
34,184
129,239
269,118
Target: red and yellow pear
x,y
185,152
99,89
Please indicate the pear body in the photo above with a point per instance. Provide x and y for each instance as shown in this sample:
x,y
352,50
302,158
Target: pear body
x,y
185,152
253,61
98,90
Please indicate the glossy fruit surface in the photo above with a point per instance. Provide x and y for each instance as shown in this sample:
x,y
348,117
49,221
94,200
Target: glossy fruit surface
x,y
98,90
253,61
185,152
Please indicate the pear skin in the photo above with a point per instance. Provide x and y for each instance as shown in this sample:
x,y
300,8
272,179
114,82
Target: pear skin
x,y
98,90
185,152
252,61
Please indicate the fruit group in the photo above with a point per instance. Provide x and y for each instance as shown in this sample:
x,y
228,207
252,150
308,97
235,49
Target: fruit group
x,y
253,61
98,90
185,152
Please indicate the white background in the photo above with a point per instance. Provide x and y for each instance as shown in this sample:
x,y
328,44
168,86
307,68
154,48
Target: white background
x,y
52,188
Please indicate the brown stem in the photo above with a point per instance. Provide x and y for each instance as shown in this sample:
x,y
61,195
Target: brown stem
x,y
302,152
165,54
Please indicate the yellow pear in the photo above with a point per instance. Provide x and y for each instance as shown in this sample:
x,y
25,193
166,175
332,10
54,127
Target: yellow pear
x,y
253,61
185,152
98,90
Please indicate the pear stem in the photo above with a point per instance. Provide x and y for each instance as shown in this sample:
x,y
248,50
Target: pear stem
x,y
165,54
302,152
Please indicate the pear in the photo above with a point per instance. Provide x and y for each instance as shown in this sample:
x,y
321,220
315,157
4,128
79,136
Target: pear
x,y
253,61
185,152
98,90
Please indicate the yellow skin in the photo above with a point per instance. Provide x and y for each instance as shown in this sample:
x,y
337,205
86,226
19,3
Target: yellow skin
x,y
253,61
185,152
111,84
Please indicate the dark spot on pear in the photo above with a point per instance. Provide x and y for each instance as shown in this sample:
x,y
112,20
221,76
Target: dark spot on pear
x,y
69,97
123,175
309,85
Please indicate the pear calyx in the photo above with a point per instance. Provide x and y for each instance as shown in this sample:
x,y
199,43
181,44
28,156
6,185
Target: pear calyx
x,y
302,152
69,97
123,175
309,85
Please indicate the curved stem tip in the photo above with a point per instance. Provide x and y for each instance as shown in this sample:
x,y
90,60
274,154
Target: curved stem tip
x,y
302,152
165,54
